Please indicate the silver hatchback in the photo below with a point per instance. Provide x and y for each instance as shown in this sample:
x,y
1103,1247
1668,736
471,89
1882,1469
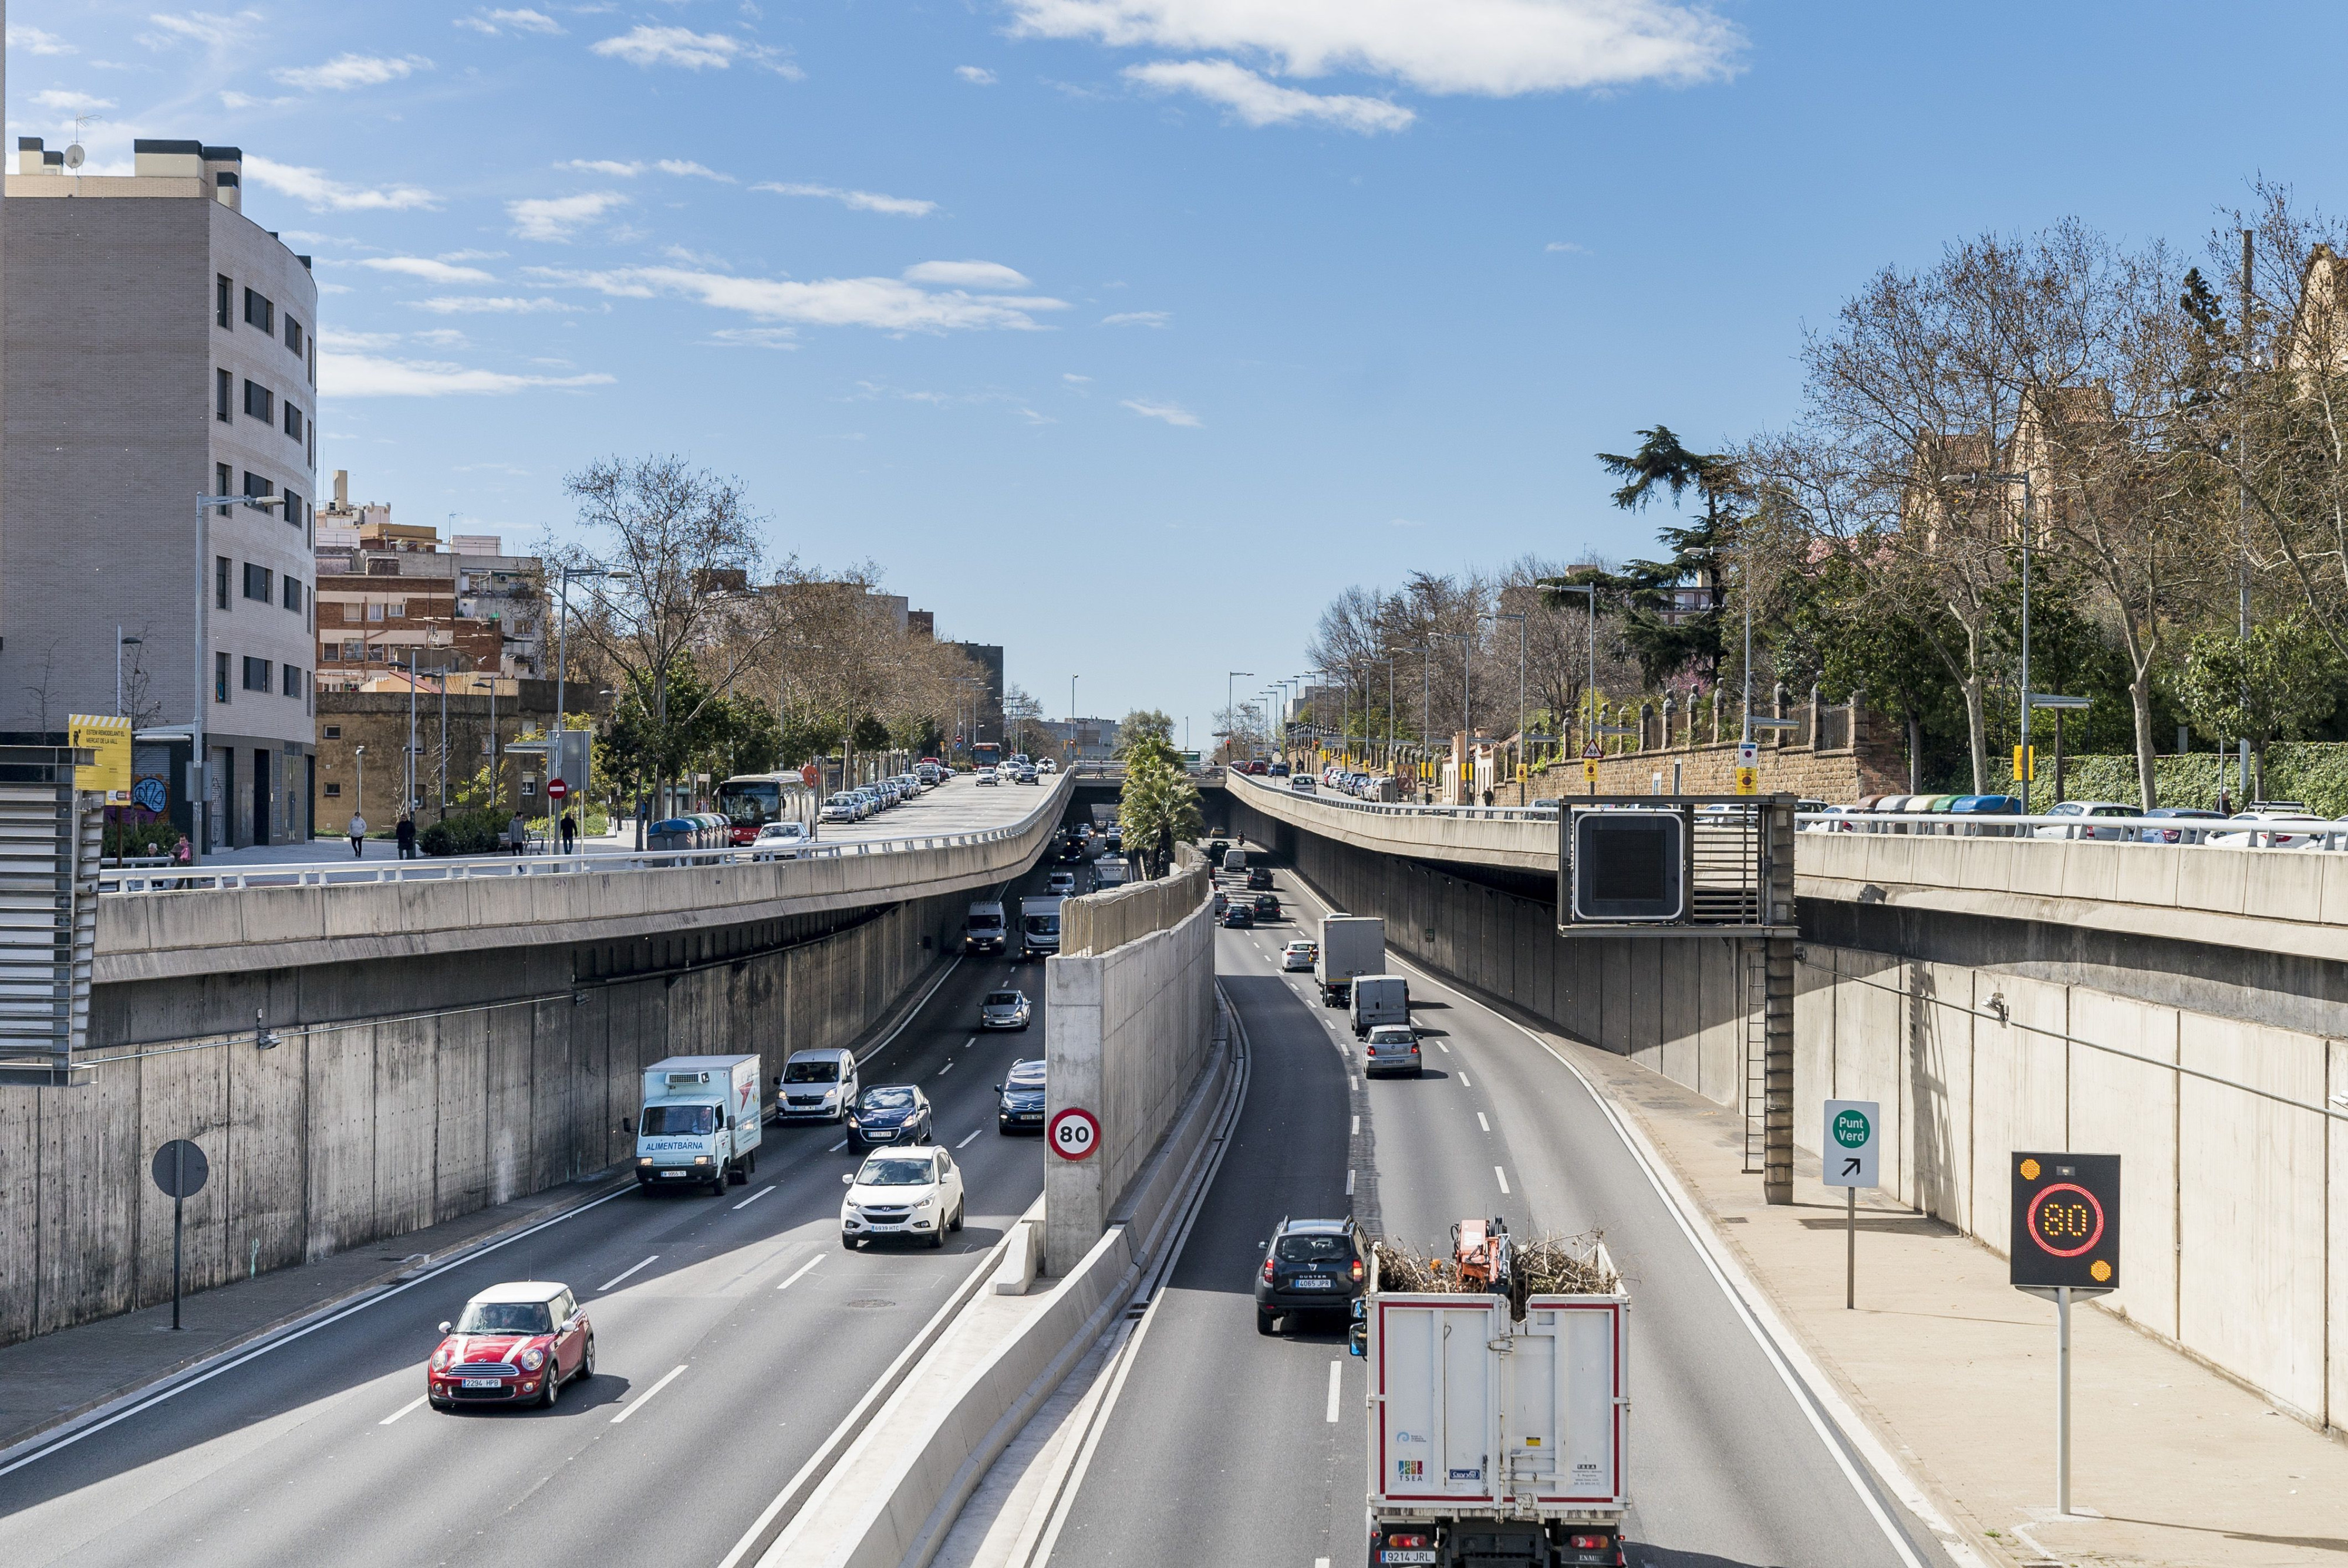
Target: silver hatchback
x,y
1391,1047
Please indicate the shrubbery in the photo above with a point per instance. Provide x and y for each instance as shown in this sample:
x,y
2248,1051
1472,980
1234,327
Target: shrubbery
x,y
478,832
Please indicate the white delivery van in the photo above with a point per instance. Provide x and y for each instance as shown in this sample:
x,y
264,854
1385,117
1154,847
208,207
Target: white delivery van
x,y
1497,1437
700,1123
1379,998
1351,945
1111,871
981,928
1235,860
1039,927
816,1086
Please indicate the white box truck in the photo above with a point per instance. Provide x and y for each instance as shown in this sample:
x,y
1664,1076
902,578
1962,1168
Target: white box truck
x,y
1376,1000
1039,927
1497,1439
700,1123
1351,945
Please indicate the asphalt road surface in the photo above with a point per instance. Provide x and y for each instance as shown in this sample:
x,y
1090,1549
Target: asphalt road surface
x,y
1228,1447
732,1334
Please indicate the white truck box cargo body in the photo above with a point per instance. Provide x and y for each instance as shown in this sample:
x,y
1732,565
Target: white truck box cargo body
x,y
1351,945
1458,1424
700,1119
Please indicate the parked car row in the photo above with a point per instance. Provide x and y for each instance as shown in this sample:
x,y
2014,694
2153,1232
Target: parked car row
x,y
870,800
2265,824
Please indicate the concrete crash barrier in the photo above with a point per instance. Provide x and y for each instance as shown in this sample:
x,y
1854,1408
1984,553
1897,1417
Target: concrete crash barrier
x,y
894,1496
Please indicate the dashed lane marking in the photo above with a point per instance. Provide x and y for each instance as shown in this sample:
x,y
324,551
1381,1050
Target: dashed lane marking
x,y
633,1406
1336,1387
754,1197
800,1273
415,1403
1481,1123
966,1142
616,1278
1504,1178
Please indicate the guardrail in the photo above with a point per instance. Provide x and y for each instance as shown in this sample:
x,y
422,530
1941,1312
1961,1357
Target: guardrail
x,y
1403,808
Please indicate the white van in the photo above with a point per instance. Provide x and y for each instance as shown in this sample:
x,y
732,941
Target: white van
x,y
1235,860
981,928
1379,1000
816,1086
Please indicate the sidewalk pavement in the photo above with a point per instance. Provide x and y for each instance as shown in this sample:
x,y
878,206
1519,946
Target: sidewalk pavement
x,y
1956,1370
48,1380
326,850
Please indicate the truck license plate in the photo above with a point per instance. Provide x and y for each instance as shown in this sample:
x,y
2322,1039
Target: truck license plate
x,y
1408,1555
484,1383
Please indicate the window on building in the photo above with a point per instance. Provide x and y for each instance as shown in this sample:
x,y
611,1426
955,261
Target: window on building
x,y
334,791
224,478
353,651
374,653
293,508
220,676
219,582
259,485
293,335
259,311
293,421
256,674
293,599
223,302
291,685
332,732
374,612
260,582
224,397
398,611
260,403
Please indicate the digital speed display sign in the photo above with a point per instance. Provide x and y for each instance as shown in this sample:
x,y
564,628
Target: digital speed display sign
x,y
2066,1222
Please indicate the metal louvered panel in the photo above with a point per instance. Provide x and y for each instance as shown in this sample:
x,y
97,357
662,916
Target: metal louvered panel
x,y
50,839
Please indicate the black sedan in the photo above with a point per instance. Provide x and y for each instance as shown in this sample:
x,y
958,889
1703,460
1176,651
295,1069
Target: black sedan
x,y
1239,914
1266,906
1308,1265
889,1113
1259,879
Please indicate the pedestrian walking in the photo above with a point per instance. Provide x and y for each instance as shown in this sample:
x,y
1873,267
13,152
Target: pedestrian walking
x,y
569,832
405,834
358,834
517,834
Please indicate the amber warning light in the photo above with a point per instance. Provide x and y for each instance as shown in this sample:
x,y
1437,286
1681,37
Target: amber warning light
x,y
2066,1222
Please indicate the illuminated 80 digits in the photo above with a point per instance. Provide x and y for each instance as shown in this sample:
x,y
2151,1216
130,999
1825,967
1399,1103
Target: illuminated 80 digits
x,y
2066,1221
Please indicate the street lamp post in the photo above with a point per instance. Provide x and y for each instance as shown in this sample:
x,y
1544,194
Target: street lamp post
x,y
200,769
121,642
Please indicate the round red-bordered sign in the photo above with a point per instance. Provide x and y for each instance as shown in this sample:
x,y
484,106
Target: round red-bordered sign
x,y
1073,1133
556,789
2037,1226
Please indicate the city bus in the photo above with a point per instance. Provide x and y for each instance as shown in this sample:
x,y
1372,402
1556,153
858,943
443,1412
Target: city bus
x,y
985,754
749,801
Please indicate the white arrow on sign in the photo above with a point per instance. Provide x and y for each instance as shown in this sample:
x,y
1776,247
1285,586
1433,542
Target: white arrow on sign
x,y
1850,1142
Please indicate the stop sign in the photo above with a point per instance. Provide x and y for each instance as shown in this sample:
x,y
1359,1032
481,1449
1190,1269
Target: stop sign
x,y
556,789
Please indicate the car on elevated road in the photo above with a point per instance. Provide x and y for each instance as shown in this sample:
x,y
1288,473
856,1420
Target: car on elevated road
x,y
913,1193
985,777
514,1343
1308,1265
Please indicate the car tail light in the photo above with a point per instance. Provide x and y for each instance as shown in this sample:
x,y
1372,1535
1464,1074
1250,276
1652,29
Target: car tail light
x,y
1406,1541
1357,1270
1267,1268
1588,1542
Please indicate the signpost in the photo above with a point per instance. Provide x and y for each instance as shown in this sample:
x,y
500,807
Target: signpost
x,y
1748,768
2064,1243
180,1171
1073,1133
1850,1162
556,789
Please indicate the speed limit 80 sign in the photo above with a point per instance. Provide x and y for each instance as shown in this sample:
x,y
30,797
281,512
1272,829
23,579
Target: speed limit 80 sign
x,y
2066,1221
1073,1133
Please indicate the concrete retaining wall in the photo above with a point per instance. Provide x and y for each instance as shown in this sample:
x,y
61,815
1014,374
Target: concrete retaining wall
x,y
1125,1035
2234,1223
1098,922
365,1124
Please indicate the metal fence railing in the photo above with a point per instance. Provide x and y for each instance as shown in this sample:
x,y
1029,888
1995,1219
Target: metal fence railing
x,y
1345,802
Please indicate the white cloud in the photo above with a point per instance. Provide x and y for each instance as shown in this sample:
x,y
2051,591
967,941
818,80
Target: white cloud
x,y
1257,102
862,200
977,75
1499,48
63,102
333,339
315,190
33,41
206,27
492,305
603,166
559,216
779,338
370,375
494,23
231,98
685,167
888,305
443,337
1173,414
1070,375
472,255
966,275
1138,319
1566,247
649,46
345,72
426,268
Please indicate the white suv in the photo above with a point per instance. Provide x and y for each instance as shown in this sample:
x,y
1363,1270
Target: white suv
x,y
914,1193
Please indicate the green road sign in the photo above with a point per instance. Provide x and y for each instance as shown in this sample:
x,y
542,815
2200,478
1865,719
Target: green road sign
x,y
1848,1154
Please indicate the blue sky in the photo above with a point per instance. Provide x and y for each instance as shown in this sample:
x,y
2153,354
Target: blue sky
x,y
1125,332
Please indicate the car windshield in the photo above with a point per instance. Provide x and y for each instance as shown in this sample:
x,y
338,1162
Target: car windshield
x,y
811,1072
985,922
1002,999
505,1317
1042,925
1027,1075
1391,1036
896,1172
888,1100
1311,1248
680,1120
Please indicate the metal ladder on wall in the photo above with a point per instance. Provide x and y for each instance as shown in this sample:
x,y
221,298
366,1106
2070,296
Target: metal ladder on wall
x,y
1752,959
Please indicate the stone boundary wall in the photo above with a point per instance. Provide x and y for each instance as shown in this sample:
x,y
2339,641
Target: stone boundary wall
x,y
348,1133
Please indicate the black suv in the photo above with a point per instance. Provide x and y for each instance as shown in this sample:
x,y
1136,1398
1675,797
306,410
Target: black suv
x,y
1310,1266
1259,879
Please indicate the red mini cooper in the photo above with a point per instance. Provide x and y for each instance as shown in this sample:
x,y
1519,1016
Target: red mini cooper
x,y
514,1343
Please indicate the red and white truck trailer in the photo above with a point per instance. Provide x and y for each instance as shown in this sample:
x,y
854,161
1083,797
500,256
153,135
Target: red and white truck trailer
x,y
1497,1439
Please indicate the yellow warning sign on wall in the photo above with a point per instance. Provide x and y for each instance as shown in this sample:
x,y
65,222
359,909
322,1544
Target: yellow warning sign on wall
x,y
108,740
1748,780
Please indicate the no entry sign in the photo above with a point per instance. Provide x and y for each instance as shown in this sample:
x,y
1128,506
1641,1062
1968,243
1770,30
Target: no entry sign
x,y
1073,1133
556,789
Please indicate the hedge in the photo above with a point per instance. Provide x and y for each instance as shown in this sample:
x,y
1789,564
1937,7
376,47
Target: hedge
x,y
2313,771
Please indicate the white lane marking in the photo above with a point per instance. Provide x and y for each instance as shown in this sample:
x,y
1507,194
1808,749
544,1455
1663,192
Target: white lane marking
x,y
970,1041
835,1148
1358,1126
1829,1416
288,1338
800,1273
1320,1563
1336,1372
754,1197
946,1069
625,1273
641,1400
965,1143
1443,1047
1349,1183
412,1404
1464,1083
1504,1177
1481,1123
